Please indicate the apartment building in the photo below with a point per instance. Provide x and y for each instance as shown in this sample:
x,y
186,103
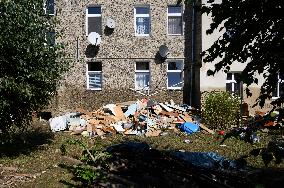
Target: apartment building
x,y
127,49
229,81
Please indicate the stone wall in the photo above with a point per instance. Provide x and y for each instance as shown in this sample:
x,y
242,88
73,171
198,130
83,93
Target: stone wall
x,y
119,51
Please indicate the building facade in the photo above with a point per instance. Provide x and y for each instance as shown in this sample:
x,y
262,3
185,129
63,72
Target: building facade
x,y
125,62
229,81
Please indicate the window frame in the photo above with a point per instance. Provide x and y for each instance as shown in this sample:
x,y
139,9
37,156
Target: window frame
x,y
279,81
175,14
96,72
142,16
233,81
45,8
175,71
142,71
92,16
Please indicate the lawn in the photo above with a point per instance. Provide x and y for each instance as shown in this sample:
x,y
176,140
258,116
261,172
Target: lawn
x,y
35,160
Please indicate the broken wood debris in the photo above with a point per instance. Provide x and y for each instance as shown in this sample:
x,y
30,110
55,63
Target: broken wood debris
x,y
141,117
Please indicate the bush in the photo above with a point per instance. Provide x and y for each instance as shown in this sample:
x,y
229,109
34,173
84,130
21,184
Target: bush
x,y
220,110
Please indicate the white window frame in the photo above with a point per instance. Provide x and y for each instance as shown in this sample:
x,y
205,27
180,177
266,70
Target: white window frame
x,y
88,77
175,71
279,81
91,15
45,8
232,81
174,14
142,16
142,71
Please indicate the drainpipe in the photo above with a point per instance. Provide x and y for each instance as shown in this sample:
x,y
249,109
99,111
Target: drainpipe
x,y
192,50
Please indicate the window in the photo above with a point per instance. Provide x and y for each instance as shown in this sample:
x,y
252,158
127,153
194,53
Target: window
x,y
142,75
50,38
142,21
233,84
279,91
94,20
175,74
94,75
174,20
49,7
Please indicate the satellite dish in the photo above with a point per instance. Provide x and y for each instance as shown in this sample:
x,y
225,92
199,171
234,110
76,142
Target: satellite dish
x,y
94,38
110,23
164,51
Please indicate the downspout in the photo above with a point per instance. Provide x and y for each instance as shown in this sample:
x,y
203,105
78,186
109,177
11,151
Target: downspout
x,y
192,50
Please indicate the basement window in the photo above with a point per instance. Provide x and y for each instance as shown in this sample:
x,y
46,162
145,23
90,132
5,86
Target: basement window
x,y
279,90
142,76
233,84
175,74
94,75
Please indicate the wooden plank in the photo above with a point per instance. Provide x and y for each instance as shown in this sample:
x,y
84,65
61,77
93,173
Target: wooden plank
x,y
118,112
205,128
168,109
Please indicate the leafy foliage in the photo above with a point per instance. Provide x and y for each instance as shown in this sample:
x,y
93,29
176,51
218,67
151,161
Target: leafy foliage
x,y
220,110
254,34
30,68
94,165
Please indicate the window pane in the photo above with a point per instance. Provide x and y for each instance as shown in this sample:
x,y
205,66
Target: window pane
x,y
142,10
174,9
237,77
94,66
95,25
237,88
50,6
174,79
50,37
229,87
142,65
281,89
142,25
95,80
275,92
229,76
175,65
94,10
174,25
142,80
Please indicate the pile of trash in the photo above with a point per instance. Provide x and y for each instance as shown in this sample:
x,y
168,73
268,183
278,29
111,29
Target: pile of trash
x,y
142,117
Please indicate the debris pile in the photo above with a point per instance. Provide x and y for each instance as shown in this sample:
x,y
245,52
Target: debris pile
x,y
142,117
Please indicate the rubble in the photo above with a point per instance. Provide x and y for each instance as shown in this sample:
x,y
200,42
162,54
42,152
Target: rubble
x,y
141,117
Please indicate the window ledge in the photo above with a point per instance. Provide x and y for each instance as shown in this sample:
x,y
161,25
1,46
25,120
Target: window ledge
x,y
174,88
94,89
274,98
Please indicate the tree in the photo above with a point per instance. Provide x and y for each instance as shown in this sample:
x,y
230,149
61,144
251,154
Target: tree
x,y
254,34
30,67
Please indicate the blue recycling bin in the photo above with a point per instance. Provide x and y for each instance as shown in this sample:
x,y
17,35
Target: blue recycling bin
x,y
189,127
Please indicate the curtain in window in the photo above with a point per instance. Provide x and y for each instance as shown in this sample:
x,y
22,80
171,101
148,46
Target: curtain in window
x,y
142,25
142,80
174,25
95,80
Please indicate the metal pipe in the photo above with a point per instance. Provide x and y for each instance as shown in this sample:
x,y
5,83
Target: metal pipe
x,y
192,50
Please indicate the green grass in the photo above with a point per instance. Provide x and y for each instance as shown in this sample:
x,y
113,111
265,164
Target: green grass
x,y
40,154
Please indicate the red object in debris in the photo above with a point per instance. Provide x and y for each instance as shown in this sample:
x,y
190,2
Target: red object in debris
x,y
221,132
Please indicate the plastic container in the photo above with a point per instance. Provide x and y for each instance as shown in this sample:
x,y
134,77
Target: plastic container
x,y
189,127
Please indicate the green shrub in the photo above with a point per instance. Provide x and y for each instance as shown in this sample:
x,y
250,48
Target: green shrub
x,y
220,110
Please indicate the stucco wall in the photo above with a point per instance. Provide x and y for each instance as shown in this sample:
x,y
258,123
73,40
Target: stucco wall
x,y
218,81
118,52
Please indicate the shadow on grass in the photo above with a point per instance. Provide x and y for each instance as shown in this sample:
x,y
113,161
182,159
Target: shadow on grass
x,y
135,164
25,142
